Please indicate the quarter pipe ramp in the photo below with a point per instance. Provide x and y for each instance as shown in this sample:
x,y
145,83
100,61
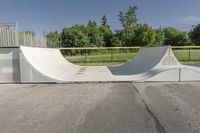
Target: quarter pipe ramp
x,y
39,65
48,65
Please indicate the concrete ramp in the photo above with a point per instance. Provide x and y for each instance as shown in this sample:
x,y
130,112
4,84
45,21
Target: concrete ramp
x,y
146,60
44,65
48,65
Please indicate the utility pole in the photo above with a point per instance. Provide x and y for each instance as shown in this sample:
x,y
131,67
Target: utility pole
x,y
192,42
160,41
44,37
17,34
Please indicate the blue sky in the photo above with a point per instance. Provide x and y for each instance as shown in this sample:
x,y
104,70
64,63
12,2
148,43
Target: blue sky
x,y
50,15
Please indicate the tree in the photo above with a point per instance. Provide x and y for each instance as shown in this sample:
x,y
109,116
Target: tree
x,y
106,31
29,32
127,36
159,37
115,41
74,37
144,35
129,23
195,34
183,38
53,39
174,36
104,21
107,35
128,19
94,34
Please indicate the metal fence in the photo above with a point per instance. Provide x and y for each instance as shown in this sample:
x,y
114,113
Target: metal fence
x,y
13,38
115,55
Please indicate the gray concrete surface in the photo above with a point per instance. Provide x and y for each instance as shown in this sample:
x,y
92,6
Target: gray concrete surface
x,y
149,64
100,108
70,108
175,105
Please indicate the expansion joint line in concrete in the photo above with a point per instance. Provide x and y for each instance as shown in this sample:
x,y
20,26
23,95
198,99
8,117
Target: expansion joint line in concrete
x,y
158,125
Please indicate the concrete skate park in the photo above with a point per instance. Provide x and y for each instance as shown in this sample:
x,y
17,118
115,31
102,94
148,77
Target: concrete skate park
x,y
139,96
36,65
24,58
42,92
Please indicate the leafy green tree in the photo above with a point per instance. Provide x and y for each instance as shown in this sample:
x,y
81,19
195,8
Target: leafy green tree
x,y
129,23
144,35
159,37
115,41
183,39
131,34
107,35
127,36
29,32
128,19
174,36
106,32
170,33
195,35
94,34
53,39
104,21
74,37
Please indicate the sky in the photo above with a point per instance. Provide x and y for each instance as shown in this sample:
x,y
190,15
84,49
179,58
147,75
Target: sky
x,y
50,15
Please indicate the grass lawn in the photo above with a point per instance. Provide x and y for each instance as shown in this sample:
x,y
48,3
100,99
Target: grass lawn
x,y
119,58
105,59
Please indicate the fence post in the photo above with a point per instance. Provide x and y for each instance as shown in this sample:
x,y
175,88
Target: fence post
x,y
85,55
24,38
111,52
189,54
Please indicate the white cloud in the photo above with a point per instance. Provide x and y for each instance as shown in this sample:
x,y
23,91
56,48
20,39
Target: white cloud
x,y
189,20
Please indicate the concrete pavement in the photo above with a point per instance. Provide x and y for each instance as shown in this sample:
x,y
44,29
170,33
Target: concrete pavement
x,y
100,108
175,105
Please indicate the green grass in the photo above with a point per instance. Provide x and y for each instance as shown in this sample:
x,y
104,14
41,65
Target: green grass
x,y
183,55
119,58
105,59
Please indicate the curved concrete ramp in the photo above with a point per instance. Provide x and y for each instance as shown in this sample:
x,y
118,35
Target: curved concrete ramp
x,y
48,65
43,64
146,60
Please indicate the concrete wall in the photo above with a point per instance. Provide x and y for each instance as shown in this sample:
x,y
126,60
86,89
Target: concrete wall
x,y
9,65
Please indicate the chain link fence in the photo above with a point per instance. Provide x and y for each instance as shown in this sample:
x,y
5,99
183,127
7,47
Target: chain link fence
x,y
13,38
118,55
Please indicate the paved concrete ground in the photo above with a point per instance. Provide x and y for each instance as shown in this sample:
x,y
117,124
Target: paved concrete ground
x,y
175,105
100,108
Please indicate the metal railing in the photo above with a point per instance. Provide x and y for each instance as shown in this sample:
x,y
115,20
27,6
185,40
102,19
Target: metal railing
x,y
120,54
13,38
86,52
